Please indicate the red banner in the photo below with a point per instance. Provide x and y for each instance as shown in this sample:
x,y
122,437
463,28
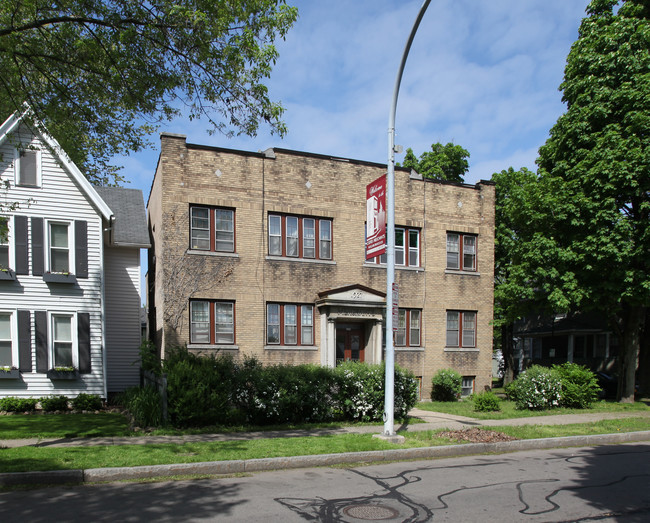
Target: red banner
x,y
376,218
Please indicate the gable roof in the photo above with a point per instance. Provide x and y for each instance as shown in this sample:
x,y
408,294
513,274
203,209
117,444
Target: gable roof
x,y
129,227
12,124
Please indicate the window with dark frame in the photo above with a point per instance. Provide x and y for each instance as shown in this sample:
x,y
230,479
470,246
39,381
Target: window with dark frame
x,y
212,322
408,332
289,324
461,251
407,248
461,329
212,229
300,237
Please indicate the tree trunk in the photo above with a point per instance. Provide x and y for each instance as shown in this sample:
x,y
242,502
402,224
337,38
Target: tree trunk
x,y
628,359
508,352
643,372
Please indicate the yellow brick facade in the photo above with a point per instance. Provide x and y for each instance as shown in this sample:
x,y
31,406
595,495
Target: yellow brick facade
x,y
346,292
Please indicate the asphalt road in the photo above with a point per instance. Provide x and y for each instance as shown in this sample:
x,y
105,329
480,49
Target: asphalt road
x,y
607,483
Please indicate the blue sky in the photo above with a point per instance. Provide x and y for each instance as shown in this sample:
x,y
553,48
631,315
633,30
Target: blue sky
x,y
482,74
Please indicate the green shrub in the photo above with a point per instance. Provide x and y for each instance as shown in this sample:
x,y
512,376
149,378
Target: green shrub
x,y
144,405
200,389
13,404
87,402
486,401
446,385
579,386
149,359
52,403
538,388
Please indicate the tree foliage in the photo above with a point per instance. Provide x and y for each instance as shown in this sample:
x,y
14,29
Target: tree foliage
x,y
578,232
100,74
443,162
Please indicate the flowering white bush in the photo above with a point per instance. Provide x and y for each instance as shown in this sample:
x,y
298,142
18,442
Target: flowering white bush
x,y
538,388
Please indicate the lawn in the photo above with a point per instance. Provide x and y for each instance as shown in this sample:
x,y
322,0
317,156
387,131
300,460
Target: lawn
x,y
21,426
59,458
508,411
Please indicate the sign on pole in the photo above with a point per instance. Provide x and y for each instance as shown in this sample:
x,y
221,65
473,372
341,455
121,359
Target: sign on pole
x,y
376,218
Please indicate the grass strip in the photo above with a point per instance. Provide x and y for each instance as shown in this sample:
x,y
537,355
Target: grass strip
x,y
508,410
104,424
24,459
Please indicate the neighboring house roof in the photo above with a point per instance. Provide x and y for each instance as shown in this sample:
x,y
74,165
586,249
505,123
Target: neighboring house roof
x,y
129,226
12,124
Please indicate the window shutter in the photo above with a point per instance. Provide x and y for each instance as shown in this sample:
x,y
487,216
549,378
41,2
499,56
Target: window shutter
x,y
83,337
38,253
40,320
20,243
81,248
24,341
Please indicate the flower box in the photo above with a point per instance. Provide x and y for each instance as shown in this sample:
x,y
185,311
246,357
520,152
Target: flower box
x,y
7,274
56,277
9,374
56,374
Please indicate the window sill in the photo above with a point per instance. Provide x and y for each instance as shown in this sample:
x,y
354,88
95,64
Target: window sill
x,y
300,260
213,253
462,273
12,374
207,346
54,374
397,267
7,275
54,277
461,349
291,347
409,349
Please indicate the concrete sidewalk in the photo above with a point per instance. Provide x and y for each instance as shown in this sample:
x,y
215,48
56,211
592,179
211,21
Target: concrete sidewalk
x,y
432,421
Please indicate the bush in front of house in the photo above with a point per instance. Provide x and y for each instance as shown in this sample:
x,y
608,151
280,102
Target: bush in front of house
x,y
446,385
200,389
537,388
579,385
53,403
14,404
87,402
144,405
486,401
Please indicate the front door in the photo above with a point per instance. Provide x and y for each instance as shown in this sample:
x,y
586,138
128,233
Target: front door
x,y
350,343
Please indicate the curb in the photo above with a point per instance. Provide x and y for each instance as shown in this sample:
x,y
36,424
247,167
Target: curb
x,y
78,476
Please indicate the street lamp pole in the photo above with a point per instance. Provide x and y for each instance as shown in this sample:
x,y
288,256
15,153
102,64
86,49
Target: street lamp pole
x,y
389,403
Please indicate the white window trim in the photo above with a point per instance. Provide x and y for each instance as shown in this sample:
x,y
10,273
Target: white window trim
x,y
50,337
71,244
10,242
39,174
13,326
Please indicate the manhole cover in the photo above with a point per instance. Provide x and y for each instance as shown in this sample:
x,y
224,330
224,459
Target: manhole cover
x,y
370,512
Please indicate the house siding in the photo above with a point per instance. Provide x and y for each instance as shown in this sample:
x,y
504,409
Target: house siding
x,y
123,328
57,198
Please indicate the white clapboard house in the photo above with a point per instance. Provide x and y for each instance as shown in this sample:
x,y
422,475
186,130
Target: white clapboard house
x,y
69,273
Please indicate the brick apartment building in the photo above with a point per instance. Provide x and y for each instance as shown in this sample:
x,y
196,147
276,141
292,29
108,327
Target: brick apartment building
x,y
262,254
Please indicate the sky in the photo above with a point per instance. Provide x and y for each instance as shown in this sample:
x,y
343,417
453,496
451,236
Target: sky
x,y
483,74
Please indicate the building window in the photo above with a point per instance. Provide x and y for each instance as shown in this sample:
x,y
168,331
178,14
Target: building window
x,y
212,229
63,351
4,243
467,386
408,328
212,322
59,251
461,329
289,324
461,251
300,237
8,344
27,169
407,248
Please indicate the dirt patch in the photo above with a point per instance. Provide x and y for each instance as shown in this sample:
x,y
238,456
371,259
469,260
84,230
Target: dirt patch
x,y
476,436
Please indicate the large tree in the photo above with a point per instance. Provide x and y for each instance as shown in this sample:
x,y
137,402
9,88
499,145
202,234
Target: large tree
x,y
442,162
100,74
590,205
